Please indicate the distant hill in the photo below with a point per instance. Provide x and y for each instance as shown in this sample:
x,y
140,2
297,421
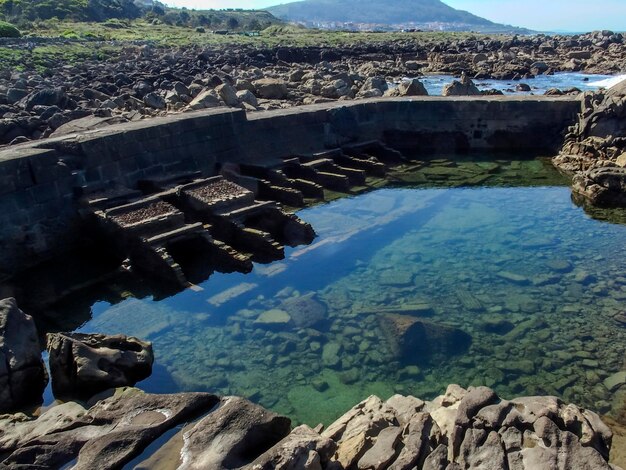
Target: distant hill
x,y
24,12
398,13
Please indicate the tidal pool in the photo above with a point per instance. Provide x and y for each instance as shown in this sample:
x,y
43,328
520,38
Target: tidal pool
x,y
474,271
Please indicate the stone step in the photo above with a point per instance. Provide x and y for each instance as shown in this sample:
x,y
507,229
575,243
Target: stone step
x,y
371,165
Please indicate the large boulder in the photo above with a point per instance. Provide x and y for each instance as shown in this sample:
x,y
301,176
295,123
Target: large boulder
x,y
464,87
246,96
604,187
418,341
305,310
23,375
270,88
47,97
205,99
228,94
412,87
233,435
153,100
82,365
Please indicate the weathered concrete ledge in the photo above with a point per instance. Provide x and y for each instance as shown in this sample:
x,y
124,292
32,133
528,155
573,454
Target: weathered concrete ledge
x,y
40,181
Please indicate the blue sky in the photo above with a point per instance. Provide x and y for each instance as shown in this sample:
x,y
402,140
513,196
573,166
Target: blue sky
x,y
544,15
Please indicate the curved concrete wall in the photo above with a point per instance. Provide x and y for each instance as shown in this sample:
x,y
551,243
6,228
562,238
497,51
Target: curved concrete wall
x,y
39,182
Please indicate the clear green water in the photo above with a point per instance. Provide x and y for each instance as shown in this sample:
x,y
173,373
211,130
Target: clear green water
x,y
510,261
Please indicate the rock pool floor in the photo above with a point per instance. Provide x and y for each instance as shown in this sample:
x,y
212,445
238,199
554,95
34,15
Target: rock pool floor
x,y
493,248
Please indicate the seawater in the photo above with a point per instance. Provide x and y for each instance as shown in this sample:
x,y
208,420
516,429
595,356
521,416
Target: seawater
x,y
539,85
492,250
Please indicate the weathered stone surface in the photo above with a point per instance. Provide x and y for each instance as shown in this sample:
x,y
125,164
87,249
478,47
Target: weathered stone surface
x,y
232,435
405,407
602,186
354,430
82,365
206,99
110,433
270,88
464,87
302,449
228,94
461,429
155,101
23,375
17,429
417,436
383,451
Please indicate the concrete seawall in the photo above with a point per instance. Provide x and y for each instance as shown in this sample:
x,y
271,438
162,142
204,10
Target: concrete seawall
x,y
40,182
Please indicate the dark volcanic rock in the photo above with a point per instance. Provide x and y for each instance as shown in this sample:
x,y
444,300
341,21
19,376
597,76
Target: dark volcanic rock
x,y
23,375
47,97
82,365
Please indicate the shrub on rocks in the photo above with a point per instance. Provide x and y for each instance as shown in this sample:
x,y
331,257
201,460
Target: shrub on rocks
x,y
7,30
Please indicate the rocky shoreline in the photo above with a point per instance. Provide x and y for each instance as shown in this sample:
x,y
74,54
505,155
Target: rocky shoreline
x,y
143,80
471,428
111,427
594,151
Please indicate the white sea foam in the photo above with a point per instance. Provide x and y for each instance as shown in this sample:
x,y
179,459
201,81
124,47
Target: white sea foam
x,y
609,82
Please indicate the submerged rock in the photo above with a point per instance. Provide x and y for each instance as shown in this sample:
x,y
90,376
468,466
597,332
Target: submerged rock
x,y
416,341
23,375
305,310
82,365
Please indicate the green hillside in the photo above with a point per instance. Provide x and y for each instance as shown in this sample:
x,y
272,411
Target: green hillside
x,y
26,12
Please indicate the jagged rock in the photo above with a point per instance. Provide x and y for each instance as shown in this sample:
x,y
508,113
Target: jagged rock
x,y
228,94
383,451
438,459
16,94
462,429
302,449
152,100
417,436
112,432
405,407
355,429
206,99
47,97
23,375
602,186
246,96
82,365
412,87
464,87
